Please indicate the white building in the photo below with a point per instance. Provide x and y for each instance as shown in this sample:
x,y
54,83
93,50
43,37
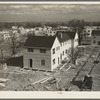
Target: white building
x,y
51,32
88,30
6,36
47,52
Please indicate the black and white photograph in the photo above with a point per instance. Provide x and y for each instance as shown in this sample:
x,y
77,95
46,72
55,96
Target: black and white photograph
x,y
50,47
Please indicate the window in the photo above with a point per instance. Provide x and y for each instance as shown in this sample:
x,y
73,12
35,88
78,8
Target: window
x,y
84,30
53,61
94,41
63,52
57,48
63,43
66,51
54,51
30,50
88,34
58,60
42,51
43,62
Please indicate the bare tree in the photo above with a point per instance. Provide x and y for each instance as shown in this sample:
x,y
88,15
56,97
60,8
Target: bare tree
x,y
14,42
77,26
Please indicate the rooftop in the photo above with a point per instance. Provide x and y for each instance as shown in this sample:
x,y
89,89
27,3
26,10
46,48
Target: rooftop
x,y
65,35
40,41
96,32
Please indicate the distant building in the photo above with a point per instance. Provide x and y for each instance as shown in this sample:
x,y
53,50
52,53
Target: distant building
x,y
86,41
22,30
87,32
95,39
51,32
6,36
62,27
15,27
47,52
87,36
8,33
38,29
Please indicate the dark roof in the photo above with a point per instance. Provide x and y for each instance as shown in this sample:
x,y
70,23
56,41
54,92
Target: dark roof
x,y
96,32
66,35
40,41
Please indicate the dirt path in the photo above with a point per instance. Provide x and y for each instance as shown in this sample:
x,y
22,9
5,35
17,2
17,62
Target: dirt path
x,y
88,69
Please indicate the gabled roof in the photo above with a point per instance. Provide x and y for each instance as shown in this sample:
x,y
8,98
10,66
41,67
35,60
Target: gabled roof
x,y
66,35
40,41
96,32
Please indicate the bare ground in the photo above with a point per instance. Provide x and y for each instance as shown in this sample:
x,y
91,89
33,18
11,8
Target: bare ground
x,y
23,80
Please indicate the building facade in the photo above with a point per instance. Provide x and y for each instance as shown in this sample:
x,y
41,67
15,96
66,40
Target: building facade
x,y
95,38
47,52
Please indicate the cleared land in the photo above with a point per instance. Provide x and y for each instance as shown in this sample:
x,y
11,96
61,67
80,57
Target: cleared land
x,y
18,79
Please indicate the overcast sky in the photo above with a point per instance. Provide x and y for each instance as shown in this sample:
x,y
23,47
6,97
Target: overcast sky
x,y
52,12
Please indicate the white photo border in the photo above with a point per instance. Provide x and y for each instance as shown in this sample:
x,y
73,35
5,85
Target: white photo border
x,y
72,95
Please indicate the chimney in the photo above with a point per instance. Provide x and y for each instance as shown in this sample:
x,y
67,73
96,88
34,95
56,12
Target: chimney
x,y
60,35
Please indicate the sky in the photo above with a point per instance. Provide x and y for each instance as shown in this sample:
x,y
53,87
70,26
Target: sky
x,y
48,12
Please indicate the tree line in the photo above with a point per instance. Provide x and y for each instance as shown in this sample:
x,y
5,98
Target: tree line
x,y
8,25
